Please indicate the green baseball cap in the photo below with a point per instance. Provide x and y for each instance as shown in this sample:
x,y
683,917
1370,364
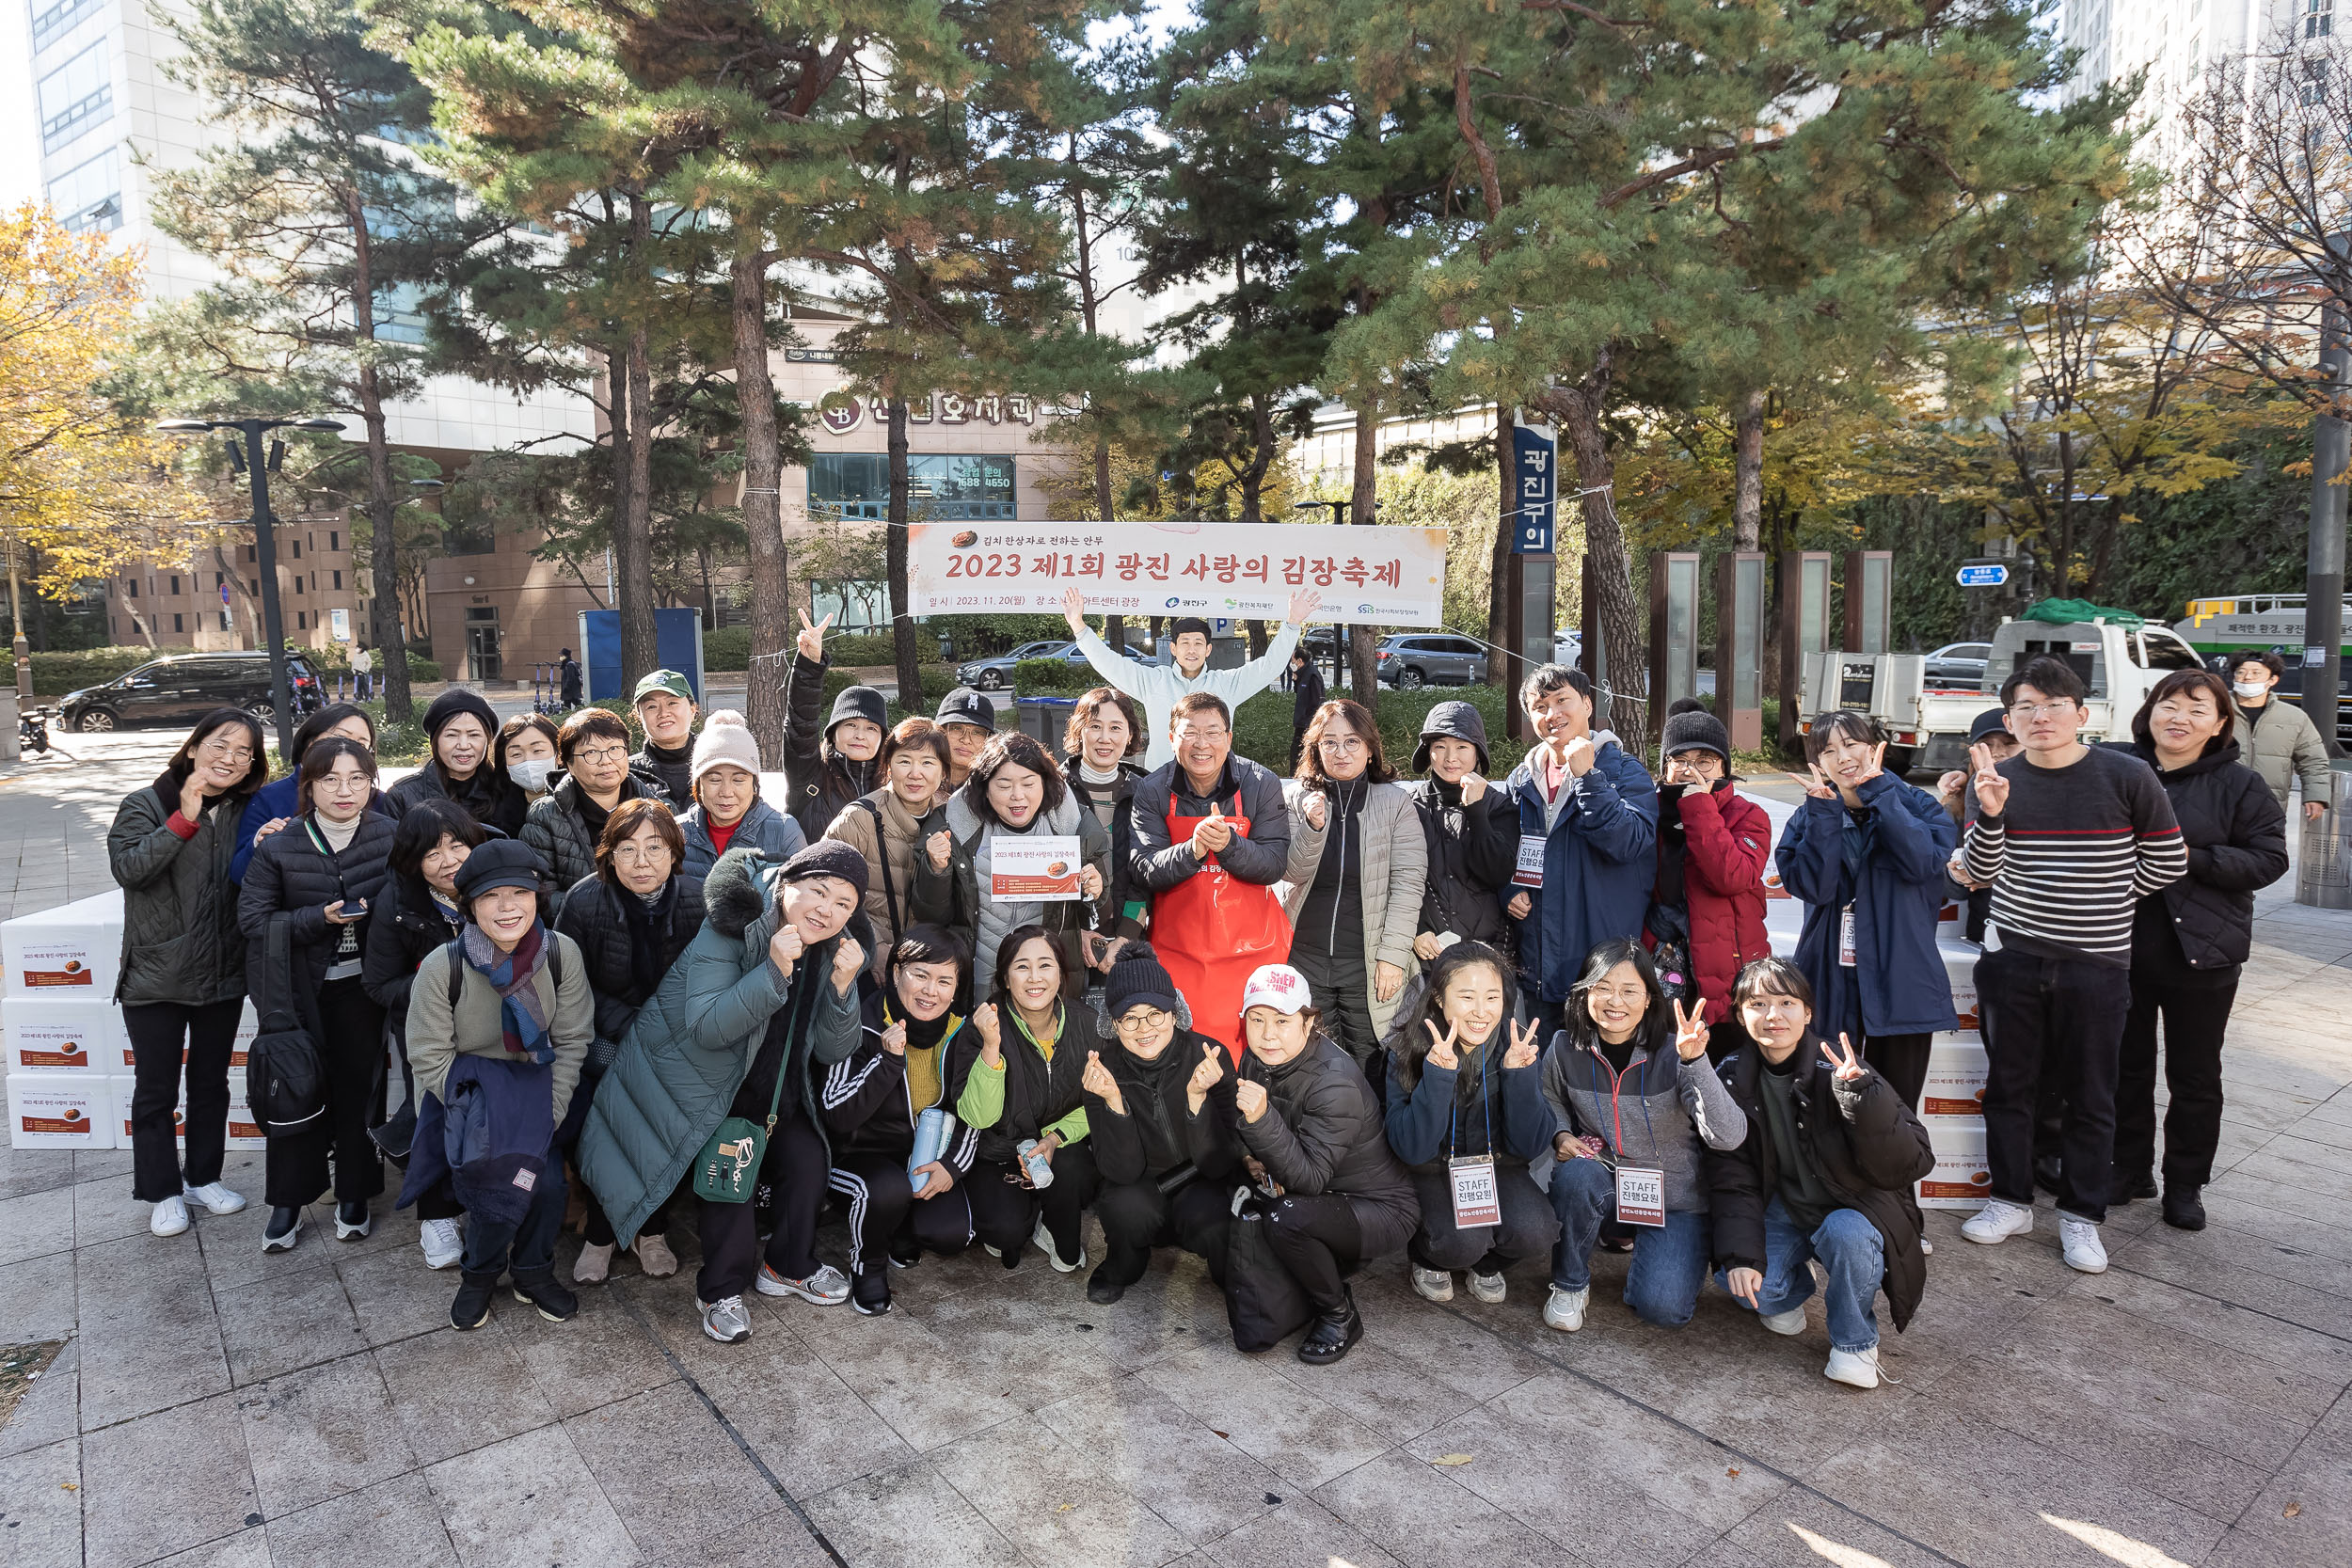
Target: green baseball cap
x,y
662,680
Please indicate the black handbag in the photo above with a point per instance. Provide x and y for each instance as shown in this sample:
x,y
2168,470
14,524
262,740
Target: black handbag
x,y
1670,930
285,1082
1263,1303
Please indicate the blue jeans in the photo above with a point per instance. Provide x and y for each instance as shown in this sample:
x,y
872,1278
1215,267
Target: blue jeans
x,y
1669,1264
1852,1252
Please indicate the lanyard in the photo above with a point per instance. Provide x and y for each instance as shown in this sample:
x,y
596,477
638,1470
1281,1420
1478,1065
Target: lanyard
x,y
1454,1118
1616,1110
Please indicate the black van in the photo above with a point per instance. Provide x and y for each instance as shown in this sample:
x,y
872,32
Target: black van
x,y
182,689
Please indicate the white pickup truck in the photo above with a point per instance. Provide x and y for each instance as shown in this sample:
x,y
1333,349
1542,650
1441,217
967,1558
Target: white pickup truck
x,y
1926,726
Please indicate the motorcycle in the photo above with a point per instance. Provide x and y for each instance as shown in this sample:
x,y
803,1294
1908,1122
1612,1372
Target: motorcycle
x,y
32,728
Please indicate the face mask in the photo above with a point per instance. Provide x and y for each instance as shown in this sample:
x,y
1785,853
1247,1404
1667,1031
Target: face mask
x,y
532,776
2249,689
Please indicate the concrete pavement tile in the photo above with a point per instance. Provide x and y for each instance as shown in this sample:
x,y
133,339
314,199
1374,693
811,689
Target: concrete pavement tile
x,y
51,1410
1801,1529
528,1502
2293,1232
24,1171
2250,1314
2282,1198
278,1325
1449,1350
1392,1397
247,1548
1981,1494
35,1224
1044,1346
2318,1485
1285,1425
1058,1507
2336,1136
41,1507
451,1391
599,1356
822,1436
395,1297
909,1515
104,1210
321,1433
1143,1444
150,1339
1417,1512
931,1391
1302,1532
394,1521
633,1448
37,1299
165,1483
776,1538
2271,1109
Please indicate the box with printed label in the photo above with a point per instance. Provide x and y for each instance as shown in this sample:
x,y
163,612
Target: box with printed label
x,y
58,1110
1961,1178
1959,973
124,1063
123,1089
73,950
244,1131
1957,1069
62,1033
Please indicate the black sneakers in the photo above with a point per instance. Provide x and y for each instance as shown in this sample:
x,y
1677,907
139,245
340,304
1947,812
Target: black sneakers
x,y
555,1302
2128,1186
870,1293
351,1221
471,1308
283,1230
1102,1289
2182,1209
1333,1335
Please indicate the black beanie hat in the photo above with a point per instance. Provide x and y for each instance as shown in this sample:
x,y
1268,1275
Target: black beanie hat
x,y
1137,976
1690,728
448,705
1452,720
828,857
858,702
497,863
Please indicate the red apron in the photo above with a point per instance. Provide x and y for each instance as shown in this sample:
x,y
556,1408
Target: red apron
x,y
1211,931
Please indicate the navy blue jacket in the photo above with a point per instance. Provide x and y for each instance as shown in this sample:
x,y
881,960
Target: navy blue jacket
x,y
491,1140
1896,983
1599,860
1443,1115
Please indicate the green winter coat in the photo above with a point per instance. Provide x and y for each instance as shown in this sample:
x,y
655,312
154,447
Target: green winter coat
x,y
687,1052
179,936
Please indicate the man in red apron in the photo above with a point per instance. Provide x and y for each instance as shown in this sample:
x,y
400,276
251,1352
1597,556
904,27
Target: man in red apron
x,y
1212,837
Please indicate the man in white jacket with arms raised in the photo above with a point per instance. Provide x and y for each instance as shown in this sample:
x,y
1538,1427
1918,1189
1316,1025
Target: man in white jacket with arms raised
x,y
1156,687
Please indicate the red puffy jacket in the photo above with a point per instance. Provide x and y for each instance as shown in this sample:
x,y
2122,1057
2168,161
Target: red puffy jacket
x,y
1728,843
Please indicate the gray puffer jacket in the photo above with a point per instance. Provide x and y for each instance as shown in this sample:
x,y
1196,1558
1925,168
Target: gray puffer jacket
x,y
180,937
554,828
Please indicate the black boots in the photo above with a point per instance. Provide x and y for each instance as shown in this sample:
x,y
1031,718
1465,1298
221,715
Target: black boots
x,y
471,1308
2127,1186
1333,1335
555,1302
283,1230
1102,1289
2182,1209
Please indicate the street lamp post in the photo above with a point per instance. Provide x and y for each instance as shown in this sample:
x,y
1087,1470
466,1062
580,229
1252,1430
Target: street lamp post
x,y
266,548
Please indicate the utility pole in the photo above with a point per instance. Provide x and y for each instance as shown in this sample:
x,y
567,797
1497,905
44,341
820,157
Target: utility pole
x,y
2331,449
16,620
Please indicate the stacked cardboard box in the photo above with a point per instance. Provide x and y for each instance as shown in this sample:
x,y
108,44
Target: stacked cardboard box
x,y
1952,1104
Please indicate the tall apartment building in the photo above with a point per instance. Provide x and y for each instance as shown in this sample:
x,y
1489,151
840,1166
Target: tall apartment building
x,y
2175,42
210,598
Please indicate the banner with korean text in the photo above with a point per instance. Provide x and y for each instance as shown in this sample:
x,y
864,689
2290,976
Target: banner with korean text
x,y
1389,576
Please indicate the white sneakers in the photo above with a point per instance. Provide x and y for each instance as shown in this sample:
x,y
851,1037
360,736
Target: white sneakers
x,y
827,1287
1856,1368
170,1217
1433,1284
216,1198
2079,1240
442,1246
1565,1310
1997,1221
726,1320
1044,1240
1785,1324
1488,1288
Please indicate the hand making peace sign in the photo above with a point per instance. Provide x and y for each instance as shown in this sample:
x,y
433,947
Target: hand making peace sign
x,y
1690,1032
811,640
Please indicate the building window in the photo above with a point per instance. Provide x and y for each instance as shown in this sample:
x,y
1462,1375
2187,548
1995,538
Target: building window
x,y
257,588
220,579
298,548
398,319
131,587
89,194
52,22
224,621
178,623
302,620
76,96
249,552
856,485
339,582
334,540
2318,18
175,585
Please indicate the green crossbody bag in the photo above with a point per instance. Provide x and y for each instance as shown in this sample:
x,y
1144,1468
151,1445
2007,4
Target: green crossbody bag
x,y
727,1169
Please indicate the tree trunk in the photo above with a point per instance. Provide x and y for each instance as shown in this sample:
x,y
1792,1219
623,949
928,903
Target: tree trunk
x,y
763,514
632,526
1578,409
1507,533
1364,667
1747,473
1114,627
902,637
390,646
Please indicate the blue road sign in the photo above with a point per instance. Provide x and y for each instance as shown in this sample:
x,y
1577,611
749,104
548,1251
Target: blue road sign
x,y
1535,457
1991,575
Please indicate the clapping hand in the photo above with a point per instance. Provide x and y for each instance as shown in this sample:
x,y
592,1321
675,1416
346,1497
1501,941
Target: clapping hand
x,y
1991,789
1206,1076
1690,1032
1442,1053
811,639
1098,1082
1846,1062
785,948
1211,835
991,1034
1249,1096
1522,1051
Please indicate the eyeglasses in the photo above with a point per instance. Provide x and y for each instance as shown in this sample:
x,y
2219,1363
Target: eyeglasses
x,y
1341,743
1143,1022
603,754
2038,710
225,751
1620,993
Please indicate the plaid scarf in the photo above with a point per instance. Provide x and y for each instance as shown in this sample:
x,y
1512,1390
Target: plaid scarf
x,y
523,1023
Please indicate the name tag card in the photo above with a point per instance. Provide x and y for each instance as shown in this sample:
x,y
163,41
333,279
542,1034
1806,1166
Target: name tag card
x,y
1845,937
1476,1200
1531,867
1041,868
1641,1196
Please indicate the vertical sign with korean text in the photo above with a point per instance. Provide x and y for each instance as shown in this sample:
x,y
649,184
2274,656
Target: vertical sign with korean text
x,y
1535,464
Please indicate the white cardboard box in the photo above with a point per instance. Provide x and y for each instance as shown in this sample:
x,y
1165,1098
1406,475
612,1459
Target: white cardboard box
x,y
1959,973
1961,1180
124,1063
57,1110
62,1033
1957,1070
119,1125
73,950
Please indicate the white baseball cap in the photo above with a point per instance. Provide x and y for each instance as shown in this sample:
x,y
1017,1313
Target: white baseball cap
x,y
1279,987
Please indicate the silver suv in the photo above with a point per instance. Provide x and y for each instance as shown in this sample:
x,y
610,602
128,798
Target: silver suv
x,y
1408,659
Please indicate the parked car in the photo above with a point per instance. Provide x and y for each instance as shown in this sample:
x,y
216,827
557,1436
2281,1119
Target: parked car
x,y
183,690
1567,647
1408,659
994,674
1958,664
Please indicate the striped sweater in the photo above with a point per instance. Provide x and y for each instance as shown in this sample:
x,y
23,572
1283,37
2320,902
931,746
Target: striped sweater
x,y
2073,854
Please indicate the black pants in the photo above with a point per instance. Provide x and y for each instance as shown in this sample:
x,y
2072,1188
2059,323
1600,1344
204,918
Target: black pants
x,y
882,1209
2194,1017
2052,1016
794,1172
1343,990
1005,1214
1903,1061
525,1248
1137,1216
351,1050
158,1031
1319,1241
1528,1230
439,1202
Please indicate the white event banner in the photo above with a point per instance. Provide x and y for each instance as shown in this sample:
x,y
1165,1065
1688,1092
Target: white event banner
x,y
1393,575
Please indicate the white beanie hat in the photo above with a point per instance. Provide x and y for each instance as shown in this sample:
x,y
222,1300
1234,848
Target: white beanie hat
x,y
724,740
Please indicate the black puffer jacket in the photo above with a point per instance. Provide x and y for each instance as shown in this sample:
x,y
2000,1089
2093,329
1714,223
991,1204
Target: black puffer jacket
x,y
181,941
290,873
1036,1094
594,917
820,780
2236,834
489,796
403,924
1472,852
1323,1133
554,828
868,1108
1119,889
1158,1134
1867,1146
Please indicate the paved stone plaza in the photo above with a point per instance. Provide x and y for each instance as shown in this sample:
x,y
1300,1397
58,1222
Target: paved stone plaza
x,y
212,1406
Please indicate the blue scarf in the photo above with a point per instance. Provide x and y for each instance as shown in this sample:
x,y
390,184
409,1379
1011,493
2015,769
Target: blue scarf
x,y
522,1022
